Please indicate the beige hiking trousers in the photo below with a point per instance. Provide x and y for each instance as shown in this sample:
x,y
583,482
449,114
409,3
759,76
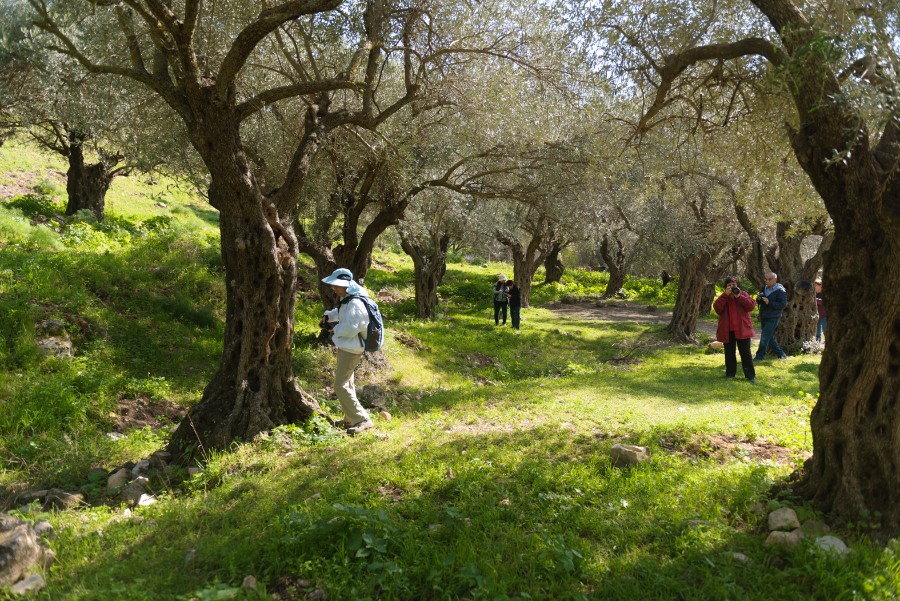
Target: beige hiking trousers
x,y
345,389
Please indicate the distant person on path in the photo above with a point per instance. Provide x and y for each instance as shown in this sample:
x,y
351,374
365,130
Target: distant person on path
x,y
823,314
501,300
772,300
515,302
346,323
735,328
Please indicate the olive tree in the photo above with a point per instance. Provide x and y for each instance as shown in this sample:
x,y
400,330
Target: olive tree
x,y
838,65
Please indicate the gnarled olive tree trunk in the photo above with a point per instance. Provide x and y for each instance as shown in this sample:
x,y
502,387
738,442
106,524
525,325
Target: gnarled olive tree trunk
x,y
430,265
691,289
254,388
553,266
87,185
615,264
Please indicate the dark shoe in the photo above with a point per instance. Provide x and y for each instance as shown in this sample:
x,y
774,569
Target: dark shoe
x,y
727,377
783,357
360,427
752,380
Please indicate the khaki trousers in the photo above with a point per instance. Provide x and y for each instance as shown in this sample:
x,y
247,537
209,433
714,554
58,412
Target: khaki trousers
x,y
345,389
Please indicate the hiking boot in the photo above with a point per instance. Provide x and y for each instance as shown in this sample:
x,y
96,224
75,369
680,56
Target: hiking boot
x,y
360,427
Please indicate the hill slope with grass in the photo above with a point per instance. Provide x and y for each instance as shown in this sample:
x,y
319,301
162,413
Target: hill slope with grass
x,y
489,475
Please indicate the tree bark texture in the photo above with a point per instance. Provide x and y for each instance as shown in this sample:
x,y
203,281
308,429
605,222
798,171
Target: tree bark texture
x,y
254,388
553,266
691,289
855,468
615,264
430,265
86,185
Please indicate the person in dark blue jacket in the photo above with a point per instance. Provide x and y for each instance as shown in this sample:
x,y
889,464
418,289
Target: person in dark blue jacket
x,y
772,300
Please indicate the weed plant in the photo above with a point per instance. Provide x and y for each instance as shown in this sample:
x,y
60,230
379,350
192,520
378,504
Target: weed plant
x,y
492,479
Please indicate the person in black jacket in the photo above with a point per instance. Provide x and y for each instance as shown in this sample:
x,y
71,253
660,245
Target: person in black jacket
x,y
501,300
772,300
515,302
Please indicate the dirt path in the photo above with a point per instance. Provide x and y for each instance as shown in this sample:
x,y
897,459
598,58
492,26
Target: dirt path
x,y
627,311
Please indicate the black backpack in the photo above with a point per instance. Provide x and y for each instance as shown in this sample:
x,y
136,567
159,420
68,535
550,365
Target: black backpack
x,y
374,338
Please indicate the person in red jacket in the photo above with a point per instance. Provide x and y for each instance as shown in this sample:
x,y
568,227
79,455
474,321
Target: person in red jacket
x,y
735,327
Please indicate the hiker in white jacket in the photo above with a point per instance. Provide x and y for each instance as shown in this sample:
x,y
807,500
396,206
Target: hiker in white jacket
x,y
352,321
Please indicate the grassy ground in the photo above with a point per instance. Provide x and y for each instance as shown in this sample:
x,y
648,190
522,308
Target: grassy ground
x,y
492,480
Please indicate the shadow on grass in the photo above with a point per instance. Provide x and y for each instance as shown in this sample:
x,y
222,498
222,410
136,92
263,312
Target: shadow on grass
x,y
208,215
534,514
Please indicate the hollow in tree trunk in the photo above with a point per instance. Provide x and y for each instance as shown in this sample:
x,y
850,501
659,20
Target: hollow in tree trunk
x,y
707,299
691,289
254,388
553,266
86,185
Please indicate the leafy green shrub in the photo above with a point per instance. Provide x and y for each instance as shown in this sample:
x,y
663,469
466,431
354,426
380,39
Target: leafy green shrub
x,y
650,290
46,187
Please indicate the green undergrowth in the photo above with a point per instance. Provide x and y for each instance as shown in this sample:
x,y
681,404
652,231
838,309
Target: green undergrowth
x,y
490,480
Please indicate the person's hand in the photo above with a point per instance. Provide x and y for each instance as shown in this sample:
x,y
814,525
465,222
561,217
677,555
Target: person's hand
x,y
765,300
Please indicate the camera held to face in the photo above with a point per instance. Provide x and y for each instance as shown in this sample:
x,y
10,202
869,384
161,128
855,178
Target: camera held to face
x,y
735,290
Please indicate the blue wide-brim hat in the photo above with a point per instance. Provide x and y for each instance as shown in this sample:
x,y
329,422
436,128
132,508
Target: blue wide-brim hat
x,y
340,277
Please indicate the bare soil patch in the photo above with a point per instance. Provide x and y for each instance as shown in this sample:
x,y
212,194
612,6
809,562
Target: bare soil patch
x,y
726,447
137,413
410,341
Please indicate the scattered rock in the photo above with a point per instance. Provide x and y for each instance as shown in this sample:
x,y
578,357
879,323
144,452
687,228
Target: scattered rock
x,y
162,205
20,550
249,583
53,327
434,527
740,557
135,490
59,499
160,459
57,346
317,594
783,519
146,500
193,471
715,345
44,529
651,308
623,455
758,508
372,396
505,502
140,467
190,556
785,539
832,544
35,582
385,415
118,479
813,528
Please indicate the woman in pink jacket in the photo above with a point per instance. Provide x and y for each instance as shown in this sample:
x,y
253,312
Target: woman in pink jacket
x,y
735,327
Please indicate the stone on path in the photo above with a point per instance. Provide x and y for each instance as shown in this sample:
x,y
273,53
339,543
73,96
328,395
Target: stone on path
x,y
20,550
119,479
623,455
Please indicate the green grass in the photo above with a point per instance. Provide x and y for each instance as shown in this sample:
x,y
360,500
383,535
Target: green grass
x,y
491,481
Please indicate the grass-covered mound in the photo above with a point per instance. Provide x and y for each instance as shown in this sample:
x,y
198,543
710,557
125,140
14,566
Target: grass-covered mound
x,y
491,480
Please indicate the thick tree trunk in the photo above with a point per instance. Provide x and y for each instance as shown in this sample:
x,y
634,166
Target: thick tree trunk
x,y
707,298
799,318
429,262
615,264
552,265
86,185
855,468
254,388
691,288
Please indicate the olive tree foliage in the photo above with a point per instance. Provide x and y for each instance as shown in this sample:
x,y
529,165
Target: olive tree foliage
x,y
837,66
241,79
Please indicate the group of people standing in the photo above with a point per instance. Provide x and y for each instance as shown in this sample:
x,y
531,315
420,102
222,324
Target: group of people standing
x,y
735,328
507,294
